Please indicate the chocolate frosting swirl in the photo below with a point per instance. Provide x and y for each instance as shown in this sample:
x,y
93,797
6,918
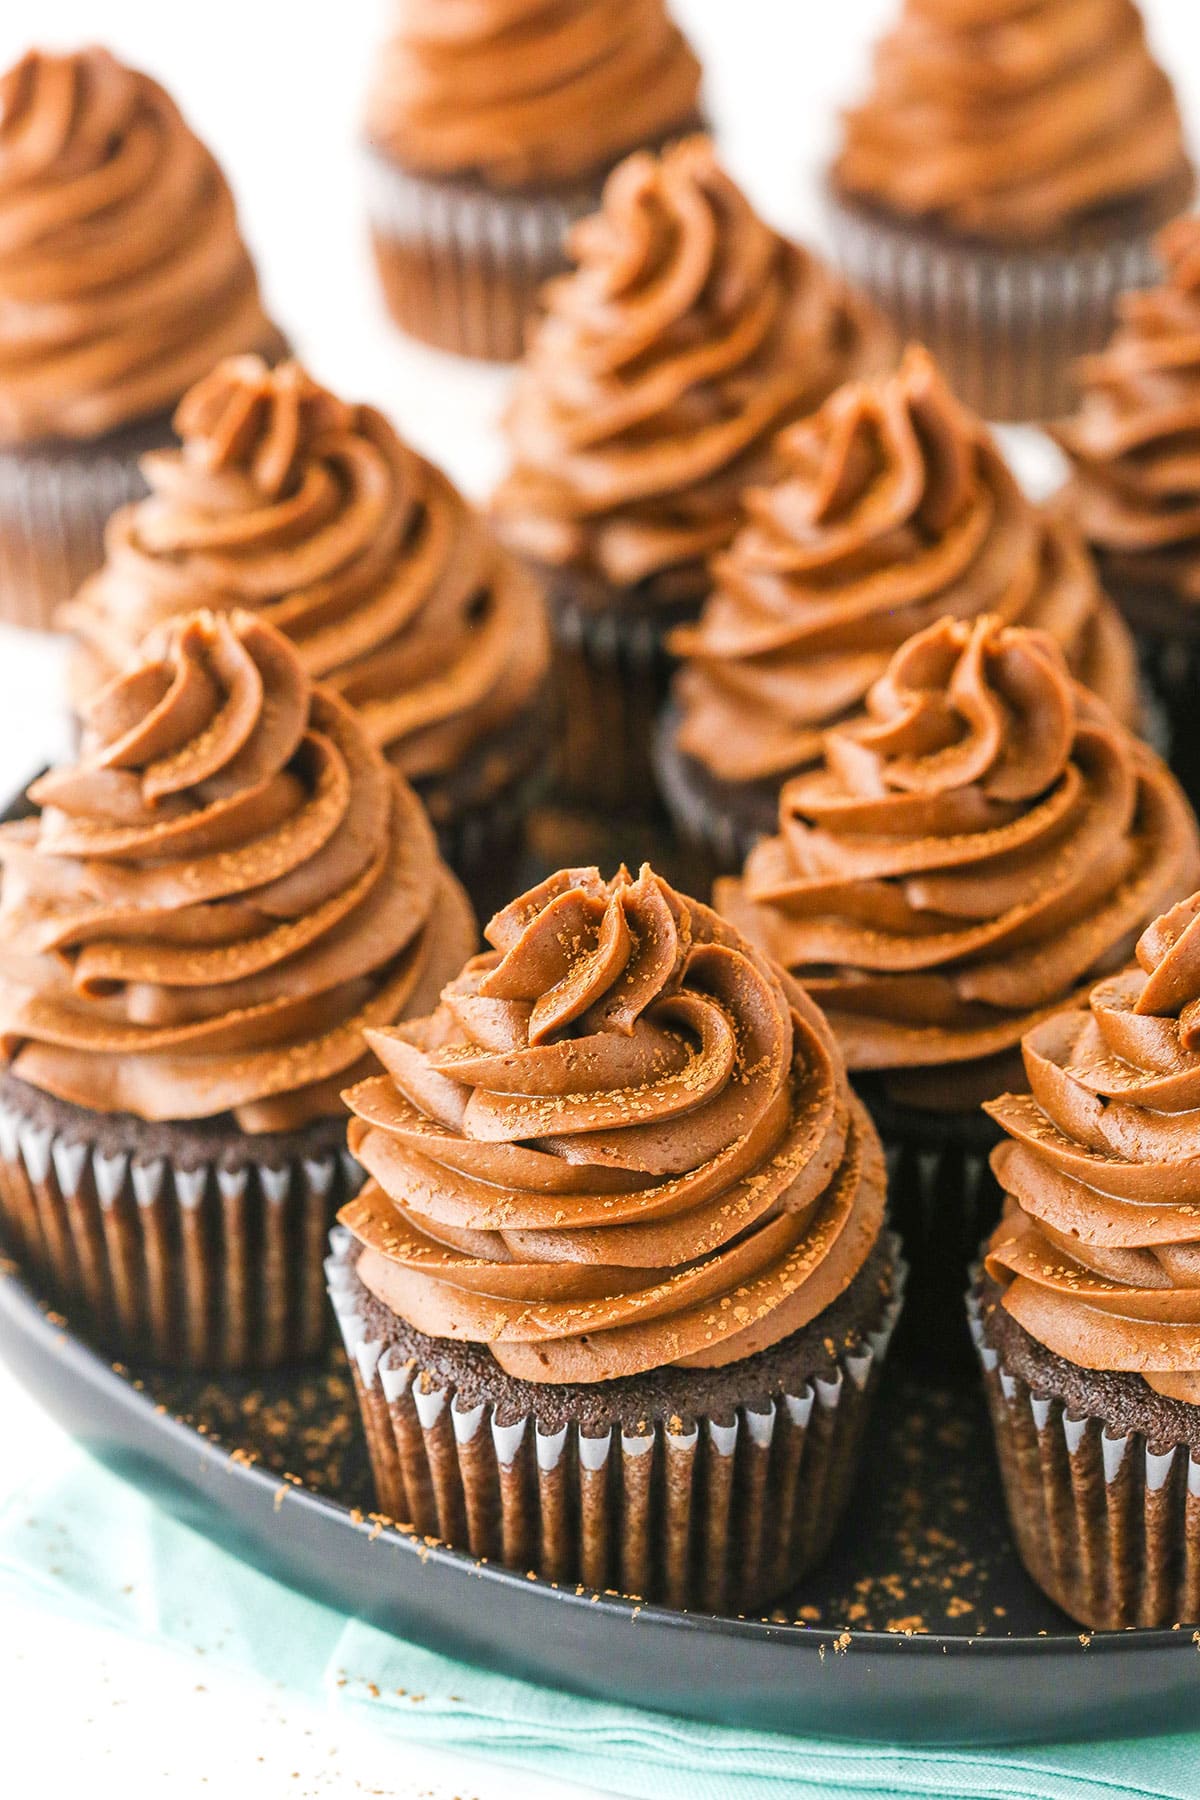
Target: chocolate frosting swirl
x,y
218,898
1015,119
624,1140
288,502
972,854
528,92
894,508
1135,442
663,366
123,275
1099,1250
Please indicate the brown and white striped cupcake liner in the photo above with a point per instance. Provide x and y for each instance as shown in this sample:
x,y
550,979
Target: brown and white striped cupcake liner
x,y
216,1264
55,502
713,1514
1108,1526
1006,325
461,263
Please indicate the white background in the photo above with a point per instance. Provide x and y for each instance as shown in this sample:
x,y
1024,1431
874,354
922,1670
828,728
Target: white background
x,y
276,86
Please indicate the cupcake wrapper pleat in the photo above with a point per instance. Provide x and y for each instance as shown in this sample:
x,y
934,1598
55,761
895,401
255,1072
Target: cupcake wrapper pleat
x,y
1170,665
461,265
614,674
717,1515
1005,325
54,506
1107,1526
717,842
198,1267
942,1200
484,842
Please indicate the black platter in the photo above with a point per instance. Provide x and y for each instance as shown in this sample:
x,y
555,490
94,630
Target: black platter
x,y
921,1628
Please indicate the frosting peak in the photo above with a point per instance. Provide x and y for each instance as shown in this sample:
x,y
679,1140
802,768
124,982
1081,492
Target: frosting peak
x,y
217,899
973,852
1016,119
1098,1254
623,1140
665,362
310,511
522,92
1135,488
123,275
893,507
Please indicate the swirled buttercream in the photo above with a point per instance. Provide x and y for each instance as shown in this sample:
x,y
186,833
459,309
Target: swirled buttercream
x,y
664,364
1015,119
894,508
1098,1254
123,275
529,92
971,855
220,896
288,502
1135,442
624,1140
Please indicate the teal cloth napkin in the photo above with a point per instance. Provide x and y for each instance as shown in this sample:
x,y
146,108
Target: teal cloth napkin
x,y
92,1545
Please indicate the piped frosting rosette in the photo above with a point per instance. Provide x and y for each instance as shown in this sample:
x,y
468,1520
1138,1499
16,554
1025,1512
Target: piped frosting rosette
x,y
972,854
1135,442
221,895
1098,1255
310,512
1014,119
665,362
623,1141
123,275
522,92
894,507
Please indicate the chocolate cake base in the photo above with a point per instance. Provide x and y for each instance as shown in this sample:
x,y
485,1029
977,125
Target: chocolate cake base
x,y
1101,1478
194,1245
1005,321
709,1488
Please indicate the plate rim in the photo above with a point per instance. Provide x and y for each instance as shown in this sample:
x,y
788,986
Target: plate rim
x,y
49,1330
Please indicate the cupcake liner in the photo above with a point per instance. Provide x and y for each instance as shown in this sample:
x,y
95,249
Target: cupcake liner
x,y
715,1514
613,672
717,832
209,1264
55,502
461,263
1005,323
943,1200
1166,632
1108,1526
484,842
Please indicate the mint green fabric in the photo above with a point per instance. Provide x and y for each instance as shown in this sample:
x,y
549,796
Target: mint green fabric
x,y
96,1547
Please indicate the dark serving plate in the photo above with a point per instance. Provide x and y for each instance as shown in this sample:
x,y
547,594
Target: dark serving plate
x,y
922,1627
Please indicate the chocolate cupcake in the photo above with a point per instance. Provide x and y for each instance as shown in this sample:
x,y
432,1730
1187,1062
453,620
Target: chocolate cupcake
x,y
490,129
688,333
970,856
195,928
894,507
617,1290
1002,183
123,277
309,511
1135,486
1086,1314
